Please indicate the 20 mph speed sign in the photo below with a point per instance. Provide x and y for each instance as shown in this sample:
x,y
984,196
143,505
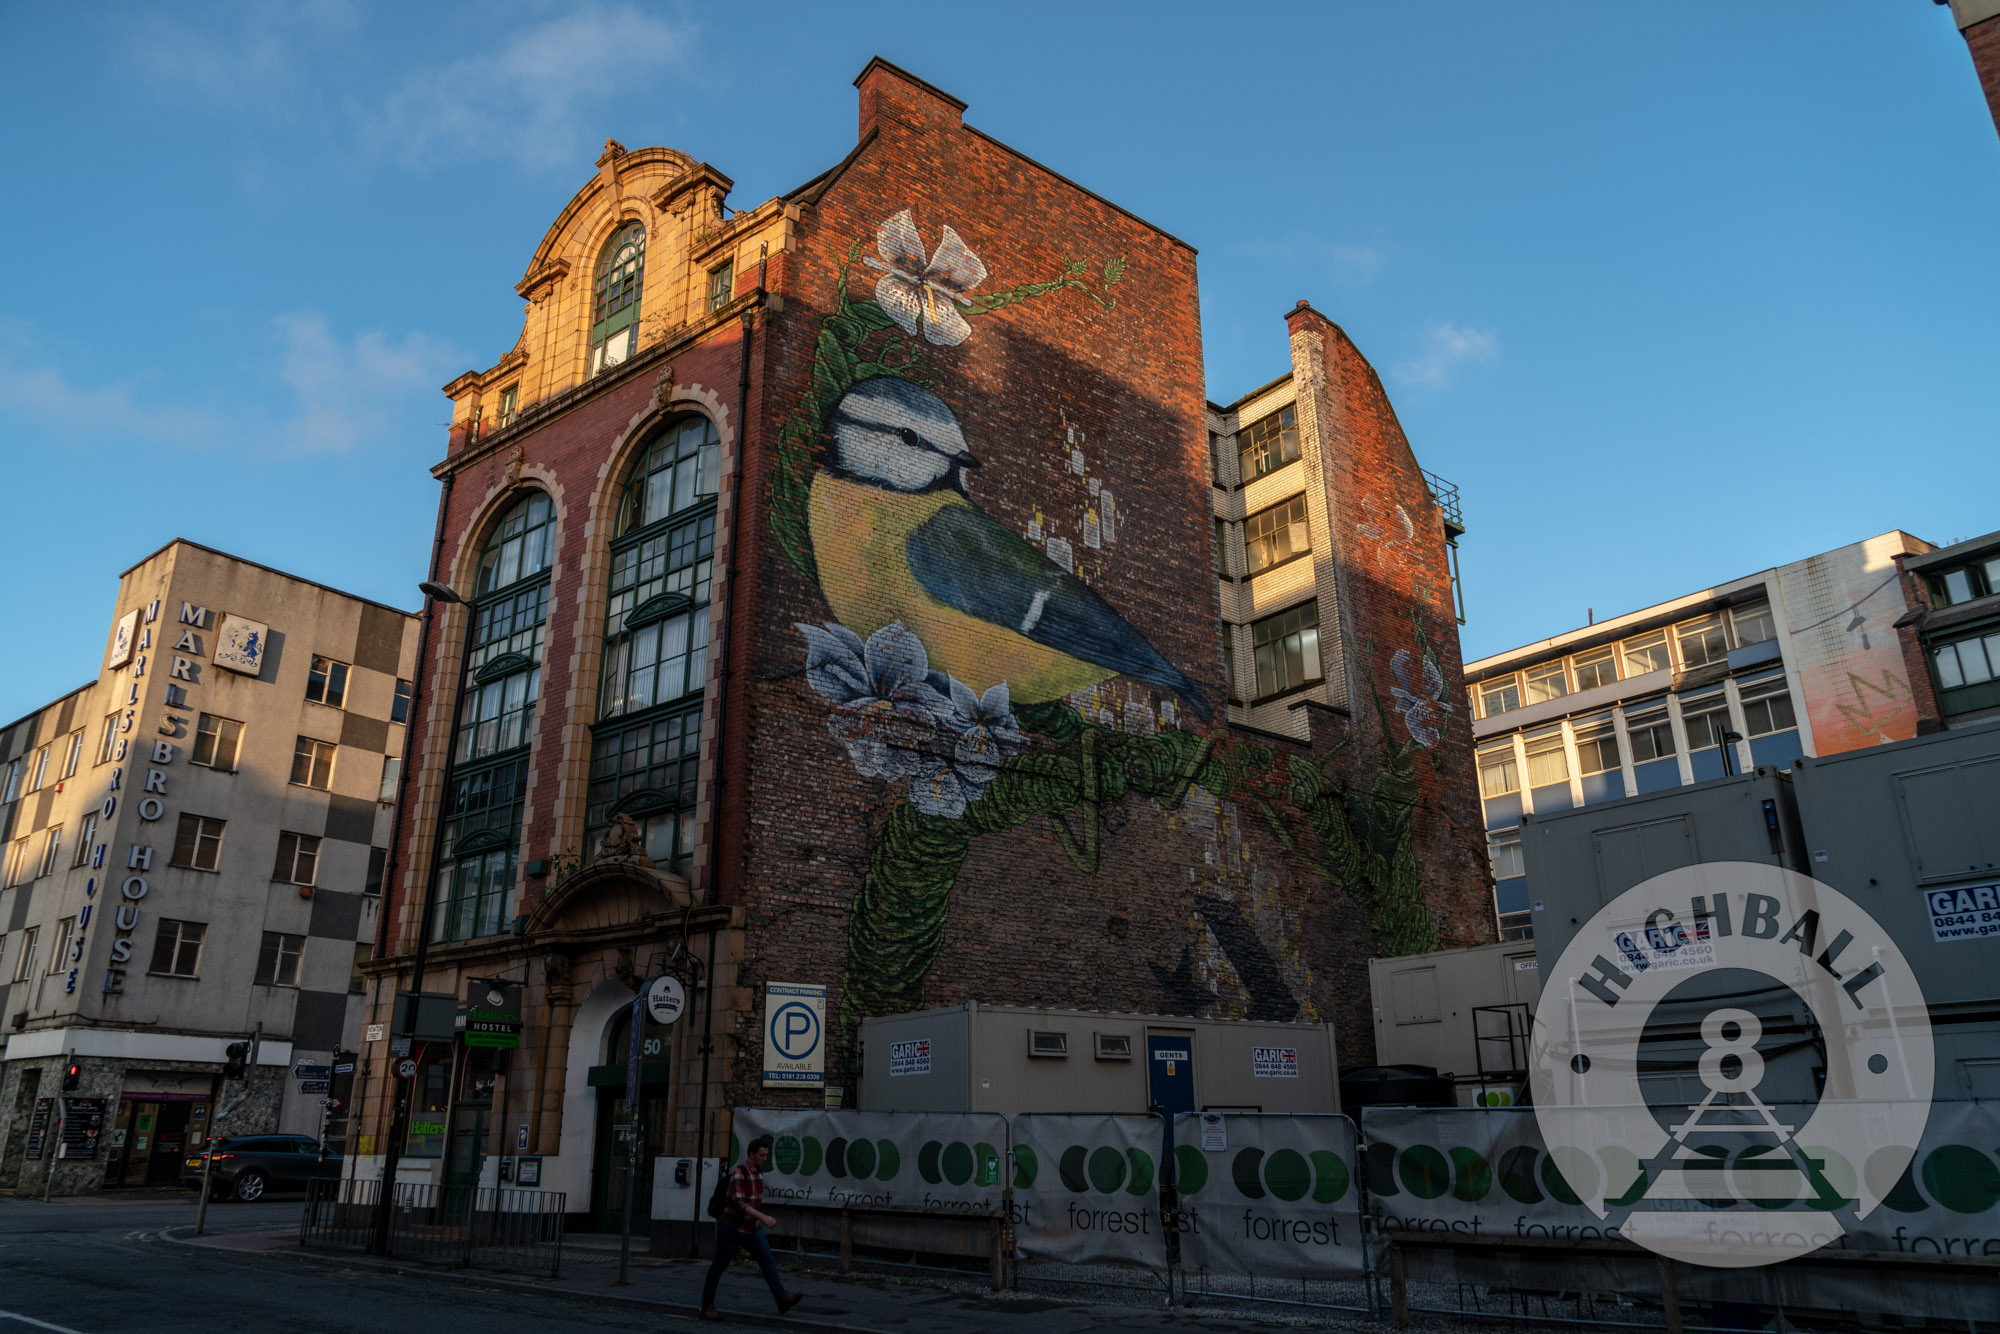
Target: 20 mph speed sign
x,y
406,1069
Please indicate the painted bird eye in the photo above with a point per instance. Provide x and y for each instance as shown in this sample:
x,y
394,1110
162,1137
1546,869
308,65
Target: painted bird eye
x,y
911,438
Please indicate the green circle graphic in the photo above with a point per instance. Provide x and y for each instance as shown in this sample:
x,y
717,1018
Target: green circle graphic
x,y
1070,1168
814,1157
1190,1169
1287,1174
888,1159
1569,1174
836,1157
957,1163
1424,1171
1142,1172
1025,1166
1517,1174
861,1159
787,1154
1244,1171
1962,1179
927,1161
1330,1176
1107,1169
1472,1175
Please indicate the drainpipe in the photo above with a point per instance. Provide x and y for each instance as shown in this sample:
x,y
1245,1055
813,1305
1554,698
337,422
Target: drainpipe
x,y
722,672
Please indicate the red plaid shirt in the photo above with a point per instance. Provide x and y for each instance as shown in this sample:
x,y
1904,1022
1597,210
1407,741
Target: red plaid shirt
x,y
746,1192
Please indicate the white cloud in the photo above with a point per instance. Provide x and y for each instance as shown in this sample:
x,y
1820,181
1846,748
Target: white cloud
x,y
1446,348
259,56
349,392
541,97
60,406
1345,261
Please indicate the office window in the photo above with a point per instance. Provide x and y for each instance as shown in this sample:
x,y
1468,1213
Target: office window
x,y
1596,744
399,708
482,832
1707,718
298,859
38,769
51,848
177,948
1599,667
1499,773
1767,707
1286,649
357,981
1501,696
85,836
1276,534
278,959
614,303
1503,848
1651,732
13,787
217,742
1215,457
1546,682
17,862
520,547
378,858
721,286
198,843
107,745
1753,623
1646,653
510,404
24,962
1547,762
326,683
1232,638
312,762
392,773
74,755
1221,547
1968,662
1702,641
1976,580
59,956
1267,445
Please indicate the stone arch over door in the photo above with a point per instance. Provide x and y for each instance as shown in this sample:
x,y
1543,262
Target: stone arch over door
x,y
578,1145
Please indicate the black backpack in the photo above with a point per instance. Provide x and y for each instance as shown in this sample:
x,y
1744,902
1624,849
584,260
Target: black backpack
x,y
718,1199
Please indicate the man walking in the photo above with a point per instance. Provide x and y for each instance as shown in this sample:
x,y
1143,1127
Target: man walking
x,y
742,1224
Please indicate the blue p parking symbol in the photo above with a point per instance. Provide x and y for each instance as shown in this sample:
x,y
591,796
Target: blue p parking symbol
x,y
794,1031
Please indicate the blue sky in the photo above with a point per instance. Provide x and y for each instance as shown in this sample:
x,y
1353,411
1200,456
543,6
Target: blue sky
x,y
1673,293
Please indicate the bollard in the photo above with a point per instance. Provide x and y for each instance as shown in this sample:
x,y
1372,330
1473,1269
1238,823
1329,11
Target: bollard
x,y
1670,1296
1399,1289
846,1241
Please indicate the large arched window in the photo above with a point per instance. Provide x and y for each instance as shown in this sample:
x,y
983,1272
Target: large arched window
x,y
486,787
614,301
646,743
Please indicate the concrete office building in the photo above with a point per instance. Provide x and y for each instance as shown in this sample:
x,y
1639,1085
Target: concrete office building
x,y
1803,659
193,851
1955,620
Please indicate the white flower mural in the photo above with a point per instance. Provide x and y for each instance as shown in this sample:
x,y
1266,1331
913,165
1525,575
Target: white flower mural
x,y
918,291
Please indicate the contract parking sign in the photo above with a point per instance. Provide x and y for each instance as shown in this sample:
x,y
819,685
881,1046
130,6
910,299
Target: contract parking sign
x,y
794,1035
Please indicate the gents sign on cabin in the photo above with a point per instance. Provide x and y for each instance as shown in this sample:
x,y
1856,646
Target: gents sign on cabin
x,y
493,1014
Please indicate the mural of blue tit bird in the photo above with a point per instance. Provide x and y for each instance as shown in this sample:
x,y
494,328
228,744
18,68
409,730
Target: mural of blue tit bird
x,y
897,539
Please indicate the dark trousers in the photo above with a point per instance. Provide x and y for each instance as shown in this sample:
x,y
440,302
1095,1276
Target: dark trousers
x,y
727,1241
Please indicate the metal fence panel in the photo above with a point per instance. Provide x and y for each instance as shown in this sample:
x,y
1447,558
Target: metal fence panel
x,y
901,1162
485,1227
1086,1188
1270,1195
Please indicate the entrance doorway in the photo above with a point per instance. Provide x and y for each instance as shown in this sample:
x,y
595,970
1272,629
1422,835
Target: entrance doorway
x,y
1170,1072
152,1138
614,1151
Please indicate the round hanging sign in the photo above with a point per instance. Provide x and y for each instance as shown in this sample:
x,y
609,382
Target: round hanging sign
x,y
665,1000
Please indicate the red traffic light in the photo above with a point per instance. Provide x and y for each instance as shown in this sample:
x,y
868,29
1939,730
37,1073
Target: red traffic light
x,y
72,1075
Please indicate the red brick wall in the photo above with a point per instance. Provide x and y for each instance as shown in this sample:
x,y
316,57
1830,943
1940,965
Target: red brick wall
x,y
1983,40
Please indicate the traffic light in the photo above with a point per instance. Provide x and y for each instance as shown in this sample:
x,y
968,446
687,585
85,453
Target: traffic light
x,y
72,1076
236,1054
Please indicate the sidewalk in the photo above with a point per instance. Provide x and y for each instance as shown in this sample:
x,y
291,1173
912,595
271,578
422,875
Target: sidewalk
x,y
856,1304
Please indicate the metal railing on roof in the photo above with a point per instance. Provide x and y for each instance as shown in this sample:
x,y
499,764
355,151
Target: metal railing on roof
x,y
1446,495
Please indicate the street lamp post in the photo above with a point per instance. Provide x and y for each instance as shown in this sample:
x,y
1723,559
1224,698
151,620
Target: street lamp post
x,y
434,594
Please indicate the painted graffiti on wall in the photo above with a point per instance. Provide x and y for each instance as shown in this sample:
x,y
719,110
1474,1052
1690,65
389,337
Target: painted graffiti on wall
x,y
979,668
1841,608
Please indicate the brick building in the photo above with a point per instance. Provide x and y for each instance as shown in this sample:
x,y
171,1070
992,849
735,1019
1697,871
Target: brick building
x,y
842,612
1979,23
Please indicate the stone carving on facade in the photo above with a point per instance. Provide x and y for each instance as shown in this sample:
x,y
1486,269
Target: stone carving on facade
x,y
556,977
624,841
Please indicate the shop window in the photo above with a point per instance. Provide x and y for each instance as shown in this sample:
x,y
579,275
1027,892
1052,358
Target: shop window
x,y
614,309
1276,535
1646,653
1267,444
177,948
1286,650
326,682
198,843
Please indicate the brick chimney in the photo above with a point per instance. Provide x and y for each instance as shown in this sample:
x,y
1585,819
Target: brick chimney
x,y
891,93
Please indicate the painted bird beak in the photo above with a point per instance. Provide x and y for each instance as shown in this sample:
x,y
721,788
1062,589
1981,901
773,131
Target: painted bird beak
x,y
965,460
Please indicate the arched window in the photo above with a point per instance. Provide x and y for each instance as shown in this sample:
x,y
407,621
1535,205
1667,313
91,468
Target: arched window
x,y
614,302
486,786
646,744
